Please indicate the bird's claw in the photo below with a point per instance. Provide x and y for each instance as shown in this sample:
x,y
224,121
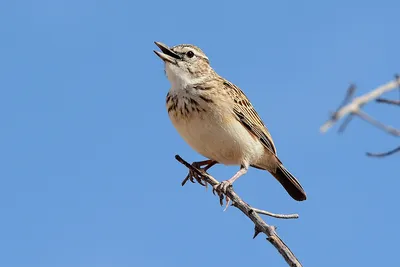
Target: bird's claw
x,y
220,189
192,176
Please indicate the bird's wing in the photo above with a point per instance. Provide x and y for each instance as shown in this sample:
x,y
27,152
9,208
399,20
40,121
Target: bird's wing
x,y
247,115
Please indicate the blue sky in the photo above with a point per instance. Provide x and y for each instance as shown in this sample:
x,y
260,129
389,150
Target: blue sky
x,y
88,174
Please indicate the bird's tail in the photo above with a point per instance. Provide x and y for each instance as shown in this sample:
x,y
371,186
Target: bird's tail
x,y
290,183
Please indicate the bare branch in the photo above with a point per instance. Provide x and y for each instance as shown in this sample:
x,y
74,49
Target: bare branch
x,y
251,213
384,154
345,123
350,108
279,216
355,106
388,101
349,95
378,124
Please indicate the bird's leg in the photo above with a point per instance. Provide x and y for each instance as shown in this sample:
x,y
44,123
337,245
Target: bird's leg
x,y
199,165
209,164
222,186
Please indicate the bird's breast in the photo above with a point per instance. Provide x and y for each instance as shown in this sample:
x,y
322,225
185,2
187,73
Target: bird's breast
x,y
213,131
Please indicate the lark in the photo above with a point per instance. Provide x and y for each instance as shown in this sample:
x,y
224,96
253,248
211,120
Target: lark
x,y
217,119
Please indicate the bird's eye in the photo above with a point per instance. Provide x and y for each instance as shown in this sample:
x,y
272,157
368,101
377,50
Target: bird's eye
x,y
190,54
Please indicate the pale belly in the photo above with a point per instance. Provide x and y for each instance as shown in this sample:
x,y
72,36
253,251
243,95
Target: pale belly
x,y
221,139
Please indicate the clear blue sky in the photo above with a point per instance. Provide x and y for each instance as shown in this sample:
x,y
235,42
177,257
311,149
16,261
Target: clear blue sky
x,y
88,175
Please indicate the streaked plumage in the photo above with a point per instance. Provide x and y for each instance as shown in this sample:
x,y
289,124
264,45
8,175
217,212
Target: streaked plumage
x,y
216,118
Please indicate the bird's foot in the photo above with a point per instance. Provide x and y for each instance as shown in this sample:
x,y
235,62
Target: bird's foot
x,y
192,175
220,189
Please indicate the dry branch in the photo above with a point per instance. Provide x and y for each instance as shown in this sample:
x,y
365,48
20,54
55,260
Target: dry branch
x,y
352,107
384,154
388,101
252,214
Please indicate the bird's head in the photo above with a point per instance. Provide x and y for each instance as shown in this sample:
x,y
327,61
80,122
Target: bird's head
x,y
184,64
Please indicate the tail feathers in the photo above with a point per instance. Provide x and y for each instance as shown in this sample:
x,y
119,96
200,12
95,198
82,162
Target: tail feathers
x,y
290,183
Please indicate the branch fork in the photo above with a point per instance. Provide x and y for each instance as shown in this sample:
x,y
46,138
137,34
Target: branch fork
x,y
260,226
351,107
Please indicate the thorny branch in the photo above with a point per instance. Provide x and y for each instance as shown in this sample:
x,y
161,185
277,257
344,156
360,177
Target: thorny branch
x,y
252,214
352,107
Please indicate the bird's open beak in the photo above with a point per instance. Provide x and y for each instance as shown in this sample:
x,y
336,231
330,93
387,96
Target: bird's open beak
x,y
166,53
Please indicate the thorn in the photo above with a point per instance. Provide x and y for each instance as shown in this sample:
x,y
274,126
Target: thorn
x,y
256,232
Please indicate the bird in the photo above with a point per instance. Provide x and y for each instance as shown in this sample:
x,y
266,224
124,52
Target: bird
x,y
217,120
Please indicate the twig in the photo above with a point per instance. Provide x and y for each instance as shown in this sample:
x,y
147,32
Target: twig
x,y
279,216
357,103
251,213
349,95
378,124
345,123
384,154
388,101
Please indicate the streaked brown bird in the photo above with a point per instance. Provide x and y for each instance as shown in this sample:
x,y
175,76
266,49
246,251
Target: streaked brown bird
x,y
217,119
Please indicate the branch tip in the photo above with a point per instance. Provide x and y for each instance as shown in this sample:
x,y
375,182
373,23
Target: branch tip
x,y
384,154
